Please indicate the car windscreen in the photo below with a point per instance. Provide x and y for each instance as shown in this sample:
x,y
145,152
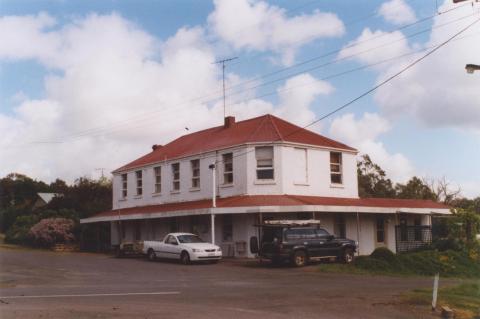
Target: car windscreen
x,y
270,233
186,239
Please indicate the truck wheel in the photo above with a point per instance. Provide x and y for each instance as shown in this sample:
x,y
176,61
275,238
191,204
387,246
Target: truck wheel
x,y
348,255
300,258
185,258
151,255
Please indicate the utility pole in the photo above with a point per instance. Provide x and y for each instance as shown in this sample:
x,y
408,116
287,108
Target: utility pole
x,y
101,169
223,77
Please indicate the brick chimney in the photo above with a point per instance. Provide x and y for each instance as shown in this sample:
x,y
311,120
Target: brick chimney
x,y
229,121
155,146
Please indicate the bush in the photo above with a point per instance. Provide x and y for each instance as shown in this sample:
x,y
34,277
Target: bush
x,y
383,253
18,233
51,231
465,263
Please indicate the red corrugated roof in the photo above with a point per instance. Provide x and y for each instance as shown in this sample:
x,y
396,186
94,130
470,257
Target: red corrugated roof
x,y
266,128
277,200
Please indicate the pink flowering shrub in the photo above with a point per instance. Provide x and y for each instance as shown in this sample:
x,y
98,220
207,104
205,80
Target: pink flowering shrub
x,y
51,231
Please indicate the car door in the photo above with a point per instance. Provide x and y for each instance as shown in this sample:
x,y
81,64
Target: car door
x,y
327,246
171,248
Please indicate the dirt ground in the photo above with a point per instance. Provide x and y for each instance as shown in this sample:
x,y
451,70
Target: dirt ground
x,y
43,284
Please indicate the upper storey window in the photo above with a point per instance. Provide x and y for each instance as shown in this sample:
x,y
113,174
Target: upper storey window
x,y
336,168
138,175
195,164
158,179
227,168
176,176
264,157
124,185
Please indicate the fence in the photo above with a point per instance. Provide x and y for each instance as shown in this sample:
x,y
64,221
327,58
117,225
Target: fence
x,y
409,238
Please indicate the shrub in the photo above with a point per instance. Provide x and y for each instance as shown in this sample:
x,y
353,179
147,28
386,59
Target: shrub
x,y
383,253
51,231
372,264
18,233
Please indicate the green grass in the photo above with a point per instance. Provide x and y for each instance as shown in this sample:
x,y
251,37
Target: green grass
x,y
464,299
423,263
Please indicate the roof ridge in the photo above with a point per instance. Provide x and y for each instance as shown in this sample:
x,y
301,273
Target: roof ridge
x,y
271,117
257,128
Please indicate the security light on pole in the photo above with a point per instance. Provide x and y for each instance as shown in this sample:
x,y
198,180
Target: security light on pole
x,y
472,68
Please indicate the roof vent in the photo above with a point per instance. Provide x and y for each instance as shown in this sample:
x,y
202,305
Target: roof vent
x,y
229,121
155,146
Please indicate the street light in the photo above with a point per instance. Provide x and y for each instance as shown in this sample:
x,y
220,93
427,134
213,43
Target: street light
x,y
472,68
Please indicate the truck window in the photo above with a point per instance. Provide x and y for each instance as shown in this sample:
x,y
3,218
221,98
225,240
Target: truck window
x,y
300,233
322,233
270,233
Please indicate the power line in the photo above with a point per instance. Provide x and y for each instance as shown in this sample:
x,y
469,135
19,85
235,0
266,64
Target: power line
x,y
126,122
374,88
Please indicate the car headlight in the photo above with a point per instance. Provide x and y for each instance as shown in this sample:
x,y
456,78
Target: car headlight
x,y
219,249
196,250
356,243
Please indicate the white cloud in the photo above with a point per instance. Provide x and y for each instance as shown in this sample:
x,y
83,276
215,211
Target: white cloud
x,y
296,97
28,37
130,87
363,133
257,25
397,12
437,91
374,46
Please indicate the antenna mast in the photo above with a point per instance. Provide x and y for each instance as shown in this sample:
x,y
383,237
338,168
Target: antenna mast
x,y
223,78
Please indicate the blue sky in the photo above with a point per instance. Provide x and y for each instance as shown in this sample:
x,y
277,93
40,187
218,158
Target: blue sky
x,y
53,89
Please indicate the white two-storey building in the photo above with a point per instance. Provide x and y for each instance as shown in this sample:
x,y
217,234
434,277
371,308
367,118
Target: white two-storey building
x,y
232,177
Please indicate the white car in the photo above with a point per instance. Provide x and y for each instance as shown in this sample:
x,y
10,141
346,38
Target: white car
x,y
185,247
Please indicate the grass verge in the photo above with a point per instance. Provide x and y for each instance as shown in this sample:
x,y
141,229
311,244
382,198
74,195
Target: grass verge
x,y
464,298
422,263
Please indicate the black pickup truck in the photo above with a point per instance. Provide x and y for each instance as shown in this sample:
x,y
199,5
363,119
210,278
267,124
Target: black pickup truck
x,y
300,243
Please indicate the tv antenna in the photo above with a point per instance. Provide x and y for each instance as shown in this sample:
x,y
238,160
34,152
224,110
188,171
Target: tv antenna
x,y
223,77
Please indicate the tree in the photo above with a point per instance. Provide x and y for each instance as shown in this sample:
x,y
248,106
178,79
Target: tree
x,y
87,197
415,189
19,190
443,190
372,180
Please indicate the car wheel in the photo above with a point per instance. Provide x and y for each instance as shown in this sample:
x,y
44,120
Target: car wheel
x,y
300,258
151,255
348,255
185,258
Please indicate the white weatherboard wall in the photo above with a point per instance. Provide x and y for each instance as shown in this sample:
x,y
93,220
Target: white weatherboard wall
x,y
186,192
295,172
317,173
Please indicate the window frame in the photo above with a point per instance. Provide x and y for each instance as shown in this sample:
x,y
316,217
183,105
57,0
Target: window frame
x,y
124,180
195,168
175,181
227,159
340,225
264,168
157,182
340,168
227,228
381,230
139,182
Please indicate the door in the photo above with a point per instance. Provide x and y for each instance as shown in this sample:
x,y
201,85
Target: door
x,y
171,248
327,245
380,232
